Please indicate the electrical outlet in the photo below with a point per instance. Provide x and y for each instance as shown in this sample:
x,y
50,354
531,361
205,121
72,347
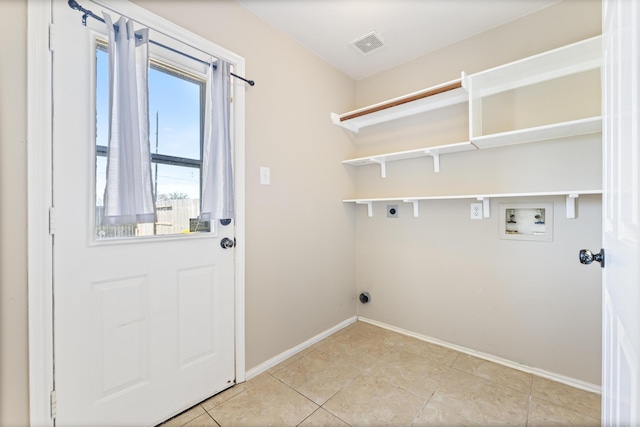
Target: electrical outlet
x,y
392,211
476,210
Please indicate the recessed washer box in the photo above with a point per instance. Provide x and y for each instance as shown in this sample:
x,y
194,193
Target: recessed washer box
x,y
526,221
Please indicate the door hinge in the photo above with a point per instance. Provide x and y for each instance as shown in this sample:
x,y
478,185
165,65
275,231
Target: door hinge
x,y
52,37
54,404
52,221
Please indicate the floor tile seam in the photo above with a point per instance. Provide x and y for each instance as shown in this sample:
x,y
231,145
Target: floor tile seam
x,y
182,413
436,382
384,380
342,388
403,388
301,394
491,381
424,406
335,415
319,408
564,406
528,411
222,401
204,413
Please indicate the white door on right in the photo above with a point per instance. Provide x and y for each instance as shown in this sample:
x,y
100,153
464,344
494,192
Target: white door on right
x,y
621,213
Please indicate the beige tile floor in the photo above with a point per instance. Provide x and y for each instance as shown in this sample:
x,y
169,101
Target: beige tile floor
x,y
368,376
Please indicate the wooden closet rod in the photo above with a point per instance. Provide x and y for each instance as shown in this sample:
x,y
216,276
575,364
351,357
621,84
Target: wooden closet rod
x,y
397,102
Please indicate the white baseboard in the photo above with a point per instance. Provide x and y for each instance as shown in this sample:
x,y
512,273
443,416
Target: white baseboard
x,y
288,353
505,362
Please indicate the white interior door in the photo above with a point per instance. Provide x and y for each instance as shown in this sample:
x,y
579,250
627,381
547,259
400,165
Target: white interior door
x,y
621,232
143,326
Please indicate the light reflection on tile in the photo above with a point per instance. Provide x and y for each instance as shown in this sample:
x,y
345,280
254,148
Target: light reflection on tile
x,y
542,413
371,401
465,399
568,397
504,375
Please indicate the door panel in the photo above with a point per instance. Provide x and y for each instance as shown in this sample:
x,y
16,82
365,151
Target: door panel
x,y
621,232
144,327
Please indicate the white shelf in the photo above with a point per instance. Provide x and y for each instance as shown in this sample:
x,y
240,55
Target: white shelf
x,y
571,59
440,96
540,133
435,152
570,196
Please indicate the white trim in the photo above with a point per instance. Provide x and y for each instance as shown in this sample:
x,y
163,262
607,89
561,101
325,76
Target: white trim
x,y
40,258
505,362
253,372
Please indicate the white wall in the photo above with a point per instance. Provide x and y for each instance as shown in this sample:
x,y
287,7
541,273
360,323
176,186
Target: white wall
x,y
445,276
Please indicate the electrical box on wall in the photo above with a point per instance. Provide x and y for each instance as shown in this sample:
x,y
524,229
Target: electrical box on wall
x,y
526,221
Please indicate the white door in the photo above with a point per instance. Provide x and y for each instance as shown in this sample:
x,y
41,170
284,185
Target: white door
x,y
621,214
143,326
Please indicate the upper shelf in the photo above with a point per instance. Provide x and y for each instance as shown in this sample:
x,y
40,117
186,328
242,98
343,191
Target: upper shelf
x,y
440,96
571,59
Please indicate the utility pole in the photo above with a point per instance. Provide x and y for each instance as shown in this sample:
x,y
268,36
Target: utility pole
x,y
155,182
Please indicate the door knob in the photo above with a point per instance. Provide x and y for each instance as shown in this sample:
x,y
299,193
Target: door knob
x,y
227,243
587,257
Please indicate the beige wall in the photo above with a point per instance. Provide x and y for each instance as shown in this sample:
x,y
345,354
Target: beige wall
x,y
445,276
300,276
14,397
301,249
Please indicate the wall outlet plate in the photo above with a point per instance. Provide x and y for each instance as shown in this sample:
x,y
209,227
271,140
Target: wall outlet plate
x,y
476,210
392,211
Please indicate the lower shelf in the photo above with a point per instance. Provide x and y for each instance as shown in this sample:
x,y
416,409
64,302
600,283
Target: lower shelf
x,y
570,196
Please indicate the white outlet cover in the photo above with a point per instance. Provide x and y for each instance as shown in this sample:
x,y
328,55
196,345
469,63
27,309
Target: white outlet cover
x,y
265,175
476,210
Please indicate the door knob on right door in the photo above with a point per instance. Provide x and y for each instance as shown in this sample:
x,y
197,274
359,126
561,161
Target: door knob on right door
x,y
587,257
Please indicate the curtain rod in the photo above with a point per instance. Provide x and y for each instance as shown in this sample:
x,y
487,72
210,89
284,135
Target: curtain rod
x,y
73,4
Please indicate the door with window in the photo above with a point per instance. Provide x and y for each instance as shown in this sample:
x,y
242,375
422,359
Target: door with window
x,y
143,313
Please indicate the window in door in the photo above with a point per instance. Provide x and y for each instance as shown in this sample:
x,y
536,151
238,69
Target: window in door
x,y
176,108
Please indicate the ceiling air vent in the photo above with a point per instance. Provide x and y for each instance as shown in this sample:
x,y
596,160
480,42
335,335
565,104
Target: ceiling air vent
x,y
368,43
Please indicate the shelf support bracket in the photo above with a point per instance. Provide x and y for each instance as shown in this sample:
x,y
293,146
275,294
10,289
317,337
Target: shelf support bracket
x,y
383,166
436,160
486,206
571,205
416,206
369,204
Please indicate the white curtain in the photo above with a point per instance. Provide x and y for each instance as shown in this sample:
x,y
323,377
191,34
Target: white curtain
x,y
128,197
217,161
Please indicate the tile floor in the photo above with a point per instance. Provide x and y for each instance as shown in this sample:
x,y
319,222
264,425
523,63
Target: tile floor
x,y
368,376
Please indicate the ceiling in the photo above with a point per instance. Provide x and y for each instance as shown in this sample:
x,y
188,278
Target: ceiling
x,y
410,28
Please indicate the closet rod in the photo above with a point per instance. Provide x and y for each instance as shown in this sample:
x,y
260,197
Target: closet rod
x,y
436,91
73,4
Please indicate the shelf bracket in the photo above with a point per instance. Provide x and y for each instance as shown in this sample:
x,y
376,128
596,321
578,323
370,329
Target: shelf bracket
x,y
571,205
486,206
436,159
416,206
369,204
383,165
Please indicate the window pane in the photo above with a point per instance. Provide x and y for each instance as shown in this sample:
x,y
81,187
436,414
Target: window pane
x,y
175,103
175,110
